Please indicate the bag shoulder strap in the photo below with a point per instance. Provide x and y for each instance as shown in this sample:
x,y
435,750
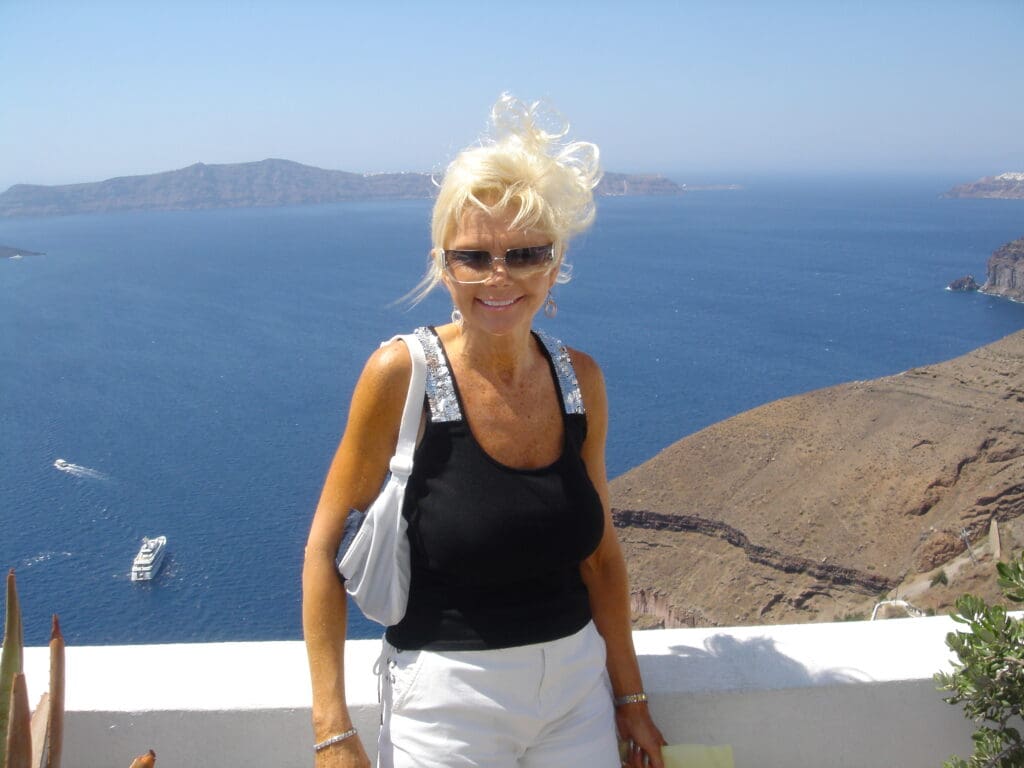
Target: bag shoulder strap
x,y
401,462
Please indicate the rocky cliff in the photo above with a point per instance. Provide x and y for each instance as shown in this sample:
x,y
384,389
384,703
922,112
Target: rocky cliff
x,y
817,506
246,185
1008,186
1005,272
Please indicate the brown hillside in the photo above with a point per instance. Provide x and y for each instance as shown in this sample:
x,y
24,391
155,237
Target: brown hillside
x,y
814,507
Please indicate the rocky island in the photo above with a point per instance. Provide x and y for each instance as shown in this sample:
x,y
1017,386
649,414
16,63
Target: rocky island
x,y
10,252
266,183
815,507
964,284
631,184
1006,186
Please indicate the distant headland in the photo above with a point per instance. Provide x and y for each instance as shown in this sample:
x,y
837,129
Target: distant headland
x,y
267,183
10,252
1005,186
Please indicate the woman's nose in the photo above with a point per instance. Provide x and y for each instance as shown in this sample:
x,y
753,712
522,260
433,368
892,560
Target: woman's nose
x,y
498,262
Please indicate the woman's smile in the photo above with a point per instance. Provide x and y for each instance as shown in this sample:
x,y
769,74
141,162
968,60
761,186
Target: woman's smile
x,y
499,303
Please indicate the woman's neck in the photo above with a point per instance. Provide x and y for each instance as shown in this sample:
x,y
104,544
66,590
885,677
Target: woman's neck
x,y
508,357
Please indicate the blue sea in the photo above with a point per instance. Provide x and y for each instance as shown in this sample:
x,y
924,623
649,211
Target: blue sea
x,y
194,368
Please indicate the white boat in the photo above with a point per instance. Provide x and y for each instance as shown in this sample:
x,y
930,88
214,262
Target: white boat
x,y
61,464
149,559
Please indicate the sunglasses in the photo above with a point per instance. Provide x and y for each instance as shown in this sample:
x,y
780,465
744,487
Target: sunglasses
x,y
476,266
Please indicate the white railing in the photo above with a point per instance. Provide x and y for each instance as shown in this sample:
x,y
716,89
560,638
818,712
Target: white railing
x,y
846,695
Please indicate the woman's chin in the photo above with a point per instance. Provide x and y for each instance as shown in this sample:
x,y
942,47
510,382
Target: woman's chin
x,y
503,320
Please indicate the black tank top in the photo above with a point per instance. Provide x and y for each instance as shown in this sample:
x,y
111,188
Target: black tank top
x,y
495,551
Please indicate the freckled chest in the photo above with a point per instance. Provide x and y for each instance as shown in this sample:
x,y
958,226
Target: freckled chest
x,y
517,424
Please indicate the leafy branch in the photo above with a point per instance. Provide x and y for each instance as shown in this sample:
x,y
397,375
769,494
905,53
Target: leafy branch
x,y
988,677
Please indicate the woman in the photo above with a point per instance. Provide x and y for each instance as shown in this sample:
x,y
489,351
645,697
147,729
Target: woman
x,y
516,647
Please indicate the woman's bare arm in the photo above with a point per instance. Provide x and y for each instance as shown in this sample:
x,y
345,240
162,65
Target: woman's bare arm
x,y
353,481
604,573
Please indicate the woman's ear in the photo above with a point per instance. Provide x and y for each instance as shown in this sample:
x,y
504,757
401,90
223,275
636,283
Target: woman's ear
x,y
437,262
553,276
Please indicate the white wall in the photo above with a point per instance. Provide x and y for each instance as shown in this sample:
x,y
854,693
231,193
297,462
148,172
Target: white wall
x,y
857,694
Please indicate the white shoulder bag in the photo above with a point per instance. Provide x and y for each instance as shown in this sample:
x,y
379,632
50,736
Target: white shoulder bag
x,y
374,554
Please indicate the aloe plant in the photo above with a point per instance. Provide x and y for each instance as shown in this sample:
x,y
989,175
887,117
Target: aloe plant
x,y
36,739
30,740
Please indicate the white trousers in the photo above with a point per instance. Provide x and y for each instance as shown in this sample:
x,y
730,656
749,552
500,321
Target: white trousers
x,y
545,705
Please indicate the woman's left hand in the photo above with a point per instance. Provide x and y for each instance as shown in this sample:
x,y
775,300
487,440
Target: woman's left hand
x,y
642,737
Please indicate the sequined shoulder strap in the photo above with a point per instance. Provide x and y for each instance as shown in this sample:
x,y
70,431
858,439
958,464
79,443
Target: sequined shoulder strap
x,y
572,399
444,405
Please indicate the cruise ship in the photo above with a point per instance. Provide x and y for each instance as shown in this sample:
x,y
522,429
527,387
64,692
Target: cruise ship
x,y
149,559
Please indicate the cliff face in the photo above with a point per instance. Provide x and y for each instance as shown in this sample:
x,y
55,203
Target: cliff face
x,y
814,507
1005,274
1008,186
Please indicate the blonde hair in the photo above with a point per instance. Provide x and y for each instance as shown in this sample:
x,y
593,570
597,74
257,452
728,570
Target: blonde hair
x,y
522,166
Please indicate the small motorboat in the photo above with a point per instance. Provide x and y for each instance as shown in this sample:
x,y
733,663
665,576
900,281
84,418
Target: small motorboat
x,y
150,558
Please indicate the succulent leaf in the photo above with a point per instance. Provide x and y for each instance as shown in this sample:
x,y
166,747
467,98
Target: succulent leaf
x,y
19,727
11,660
55,731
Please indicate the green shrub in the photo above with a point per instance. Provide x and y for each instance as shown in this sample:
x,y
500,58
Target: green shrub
x,y
988,678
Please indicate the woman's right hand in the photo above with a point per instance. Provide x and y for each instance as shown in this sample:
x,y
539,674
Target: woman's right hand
x,y
345,754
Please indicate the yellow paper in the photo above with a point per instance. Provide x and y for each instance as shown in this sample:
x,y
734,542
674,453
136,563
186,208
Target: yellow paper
x,y
697,756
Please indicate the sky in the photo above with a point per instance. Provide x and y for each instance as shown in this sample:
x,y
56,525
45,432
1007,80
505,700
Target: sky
x,y
696,90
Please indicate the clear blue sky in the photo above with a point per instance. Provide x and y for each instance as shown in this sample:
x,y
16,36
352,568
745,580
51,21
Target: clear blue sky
x,y
91,90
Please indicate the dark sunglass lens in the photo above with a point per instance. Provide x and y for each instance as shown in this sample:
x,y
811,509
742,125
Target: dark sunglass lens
x,y
525,258
474,260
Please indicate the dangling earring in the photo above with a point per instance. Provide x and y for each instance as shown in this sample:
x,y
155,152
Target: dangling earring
x,y
457,317
550,307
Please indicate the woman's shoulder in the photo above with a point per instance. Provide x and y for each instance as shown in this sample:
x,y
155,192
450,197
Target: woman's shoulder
x,y
385,378
572,361
582,367
391,361
588,372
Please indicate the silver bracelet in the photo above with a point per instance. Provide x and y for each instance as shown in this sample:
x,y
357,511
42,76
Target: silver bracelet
x,y
631,698
334,739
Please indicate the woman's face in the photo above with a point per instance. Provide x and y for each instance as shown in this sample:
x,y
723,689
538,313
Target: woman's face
x,y
504,302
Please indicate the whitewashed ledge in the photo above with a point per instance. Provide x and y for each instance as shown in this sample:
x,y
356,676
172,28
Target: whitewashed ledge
x,y
855,694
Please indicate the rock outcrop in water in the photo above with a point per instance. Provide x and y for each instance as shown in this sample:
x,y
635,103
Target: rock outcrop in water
x,y
964,284
267,183
1005,272
1007,186
814,507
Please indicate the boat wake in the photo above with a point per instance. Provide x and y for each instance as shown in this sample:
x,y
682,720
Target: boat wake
x,y
43,557
78,470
